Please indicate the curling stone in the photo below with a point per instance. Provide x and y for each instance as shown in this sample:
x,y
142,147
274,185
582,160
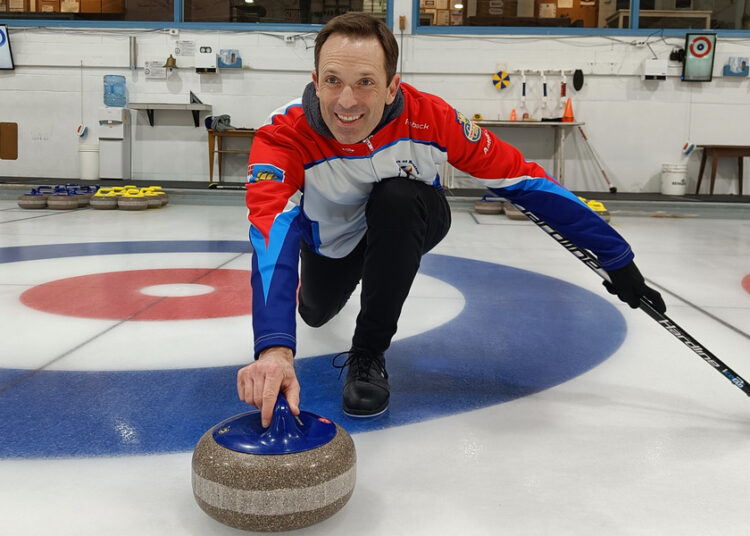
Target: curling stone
x,y
295,473
104,199
62,200
32,200
85,193
512,212
598,207
163,197
132,200
153,198
489,204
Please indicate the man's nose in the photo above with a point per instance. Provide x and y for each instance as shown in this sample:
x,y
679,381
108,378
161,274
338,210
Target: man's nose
x,y
347,98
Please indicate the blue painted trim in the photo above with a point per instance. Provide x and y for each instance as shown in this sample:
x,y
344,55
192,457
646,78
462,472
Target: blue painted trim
x,y
88,23
179,14
389,17
533,30
223,26
513,30
252,26
635,14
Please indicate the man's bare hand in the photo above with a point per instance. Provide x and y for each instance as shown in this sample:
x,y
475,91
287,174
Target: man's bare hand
x,y
260,382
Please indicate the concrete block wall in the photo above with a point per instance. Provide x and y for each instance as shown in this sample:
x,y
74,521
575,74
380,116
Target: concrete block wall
x,y
635,125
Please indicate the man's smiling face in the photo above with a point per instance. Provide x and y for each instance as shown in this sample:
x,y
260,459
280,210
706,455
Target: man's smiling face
x,y
352,86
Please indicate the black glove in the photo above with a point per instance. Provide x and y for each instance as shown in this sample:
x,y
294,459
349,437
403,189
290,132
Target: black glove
x,y
628,284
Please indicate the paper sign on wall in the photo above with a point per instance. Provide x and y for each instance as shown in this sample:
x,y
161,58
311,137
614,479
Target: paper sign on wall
x,y
184,48
547,11
155,69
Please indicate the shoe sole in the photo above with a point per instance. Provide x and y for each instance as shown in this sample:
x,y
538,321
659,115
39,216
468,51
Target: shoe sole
x,y
351,413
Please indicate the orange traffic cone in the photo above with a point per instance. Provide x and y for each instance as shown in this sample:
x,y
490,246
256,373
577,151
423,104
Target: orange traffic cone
x,y
568,114
513,114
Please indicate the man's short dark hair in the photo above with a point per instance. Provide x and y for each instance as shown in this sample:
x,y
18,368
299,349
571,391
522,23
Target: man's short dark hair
x,y
361,25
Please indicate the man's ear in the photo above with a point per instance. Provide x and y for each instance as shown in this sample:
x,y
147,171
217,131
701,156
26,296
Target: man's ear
x,y
393,88
315,81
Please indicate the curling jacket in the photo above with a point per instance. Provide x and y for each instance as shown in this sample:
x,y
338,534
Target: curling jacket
x,y
294,152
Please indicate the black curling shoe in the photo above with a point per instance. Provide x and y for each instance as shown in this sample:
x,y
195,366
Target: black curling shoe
x,y
366,390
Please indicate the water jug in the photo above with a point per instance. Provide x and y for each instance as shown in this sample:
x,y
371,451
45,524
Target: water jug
x,y
114,90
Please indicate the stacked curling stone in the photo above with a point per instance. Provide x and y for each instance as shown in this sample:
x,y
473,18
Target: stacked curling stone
x,y
36,198
63,197
489,204
295,473
132,199
129,197
106,198
598,207
157,198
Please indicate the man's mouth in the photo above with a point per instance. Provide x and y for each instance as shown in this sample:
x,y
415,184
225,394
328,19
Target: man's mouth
x,y
348,118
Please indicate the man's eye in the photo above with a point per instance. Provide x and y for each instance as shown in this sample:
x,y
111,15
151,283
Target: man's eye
x,y
367,82
331,80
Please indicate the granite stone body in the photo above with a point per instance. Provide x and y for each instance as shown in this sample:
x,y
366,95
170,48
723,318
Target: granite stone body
x,y
62,202
103,203
32,201
132,203
275,492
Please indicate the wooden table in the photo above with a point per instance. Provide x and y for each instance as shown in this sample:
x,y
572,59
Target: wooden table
x,y
215,136
559,129
716,152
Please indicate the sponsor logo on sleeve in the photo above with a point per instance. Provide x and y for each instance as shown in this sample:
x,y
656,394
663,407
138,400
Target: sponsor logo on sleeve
x,y
472,131
264,172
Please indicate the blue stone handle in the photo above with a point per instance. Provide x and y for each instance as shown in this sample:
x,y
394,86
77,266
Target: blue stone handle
x,y
285,428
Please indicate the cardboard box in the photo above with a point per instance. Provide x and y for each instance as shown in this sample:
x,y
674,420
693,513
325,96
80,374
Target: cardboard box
x,y
70,6
46,6
20,6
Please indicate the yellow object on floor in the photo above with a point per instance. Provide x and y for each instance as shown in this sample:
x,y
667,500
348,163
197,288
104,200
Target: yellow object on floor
x,y
598,207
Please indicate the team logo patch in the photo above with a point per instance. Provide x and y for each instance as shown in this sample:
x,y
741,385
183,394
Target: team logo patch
x,y
408,167
472,131
264,172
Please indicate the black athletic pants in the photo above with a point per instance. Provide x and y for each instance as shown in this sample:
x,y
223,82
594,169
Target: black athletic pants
x,y
405,219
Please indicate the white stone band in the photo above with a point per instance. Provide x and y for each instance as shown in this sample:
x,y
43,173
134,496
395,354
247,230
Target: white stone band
x,y
274,502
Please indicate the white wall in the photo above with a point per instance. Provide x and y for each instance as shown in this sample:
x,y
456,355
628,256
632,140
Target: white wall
x,y
635,125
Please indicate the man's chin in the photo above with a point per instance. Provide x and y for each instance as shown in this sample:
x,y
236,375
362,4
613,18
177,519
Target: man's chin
x,y
347,138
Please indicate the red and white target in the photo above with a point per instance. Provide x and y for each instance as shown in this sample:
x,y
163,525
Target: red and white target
x,y
156,294
700,46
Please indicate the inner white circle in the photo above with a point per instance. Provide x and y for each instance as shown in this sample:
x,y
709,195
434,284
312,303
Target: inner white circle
x,y
177,290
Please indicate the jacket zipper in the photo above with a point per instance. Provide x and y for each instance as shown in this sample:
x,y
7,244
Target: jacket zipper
x,y
372,150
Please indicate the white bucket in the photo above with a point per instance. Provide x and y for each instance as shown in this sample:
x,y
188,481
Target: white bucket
x,y
674,179
89,157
